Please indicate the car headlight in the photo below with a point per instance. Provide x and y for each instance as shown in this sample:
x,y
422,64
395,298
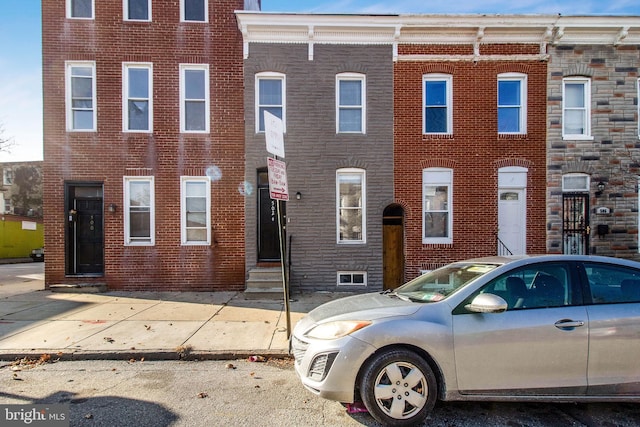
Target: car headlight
x,y
337,329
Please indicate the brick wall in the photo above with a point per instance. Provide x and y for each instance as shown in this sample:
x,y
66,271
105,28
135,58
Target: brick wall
x,y
612,156
109,154
314,151
475,151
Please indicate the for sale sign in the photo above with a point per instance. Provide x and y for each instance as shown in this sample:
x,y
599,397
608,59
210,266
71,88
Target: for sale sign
x,y
278,188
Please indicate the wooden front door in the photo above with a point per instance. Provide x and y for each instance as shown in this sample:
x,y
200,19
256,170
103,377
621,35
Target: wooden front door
x,y
393,247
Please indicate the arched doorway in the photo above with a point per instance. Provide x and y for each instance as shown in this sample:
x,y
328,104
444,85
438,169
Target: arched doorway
x,y
393,246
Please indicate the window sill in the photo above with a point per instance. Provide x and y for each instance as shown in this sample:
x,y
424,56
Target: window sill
x,y
428,136
512,136
577,138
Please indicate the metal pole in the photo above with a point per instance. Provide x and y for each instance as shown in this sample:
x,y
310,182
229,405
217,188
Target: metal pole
x,y
285,278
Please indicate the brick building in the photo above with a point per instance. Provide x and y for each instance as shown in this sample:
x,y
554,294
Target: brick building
x,y
335,98
593,148
470,137
143,144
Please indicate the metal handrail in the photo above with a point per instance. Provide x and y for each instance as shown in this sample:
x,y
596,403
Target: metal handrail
x,y
503,250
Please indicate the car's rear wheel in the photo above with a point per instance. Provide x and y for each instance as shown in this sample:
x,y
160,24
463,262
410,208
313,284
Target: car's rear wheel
x,y
398,387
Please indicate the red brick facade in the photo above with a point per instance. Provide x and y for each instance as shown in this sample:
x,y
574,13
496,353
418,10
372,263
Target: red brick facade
x,y
107,155
475,151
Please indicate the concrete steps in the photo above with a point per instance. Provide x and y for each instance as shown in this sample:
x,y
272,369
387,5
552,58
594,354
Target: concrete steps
x,y
264,283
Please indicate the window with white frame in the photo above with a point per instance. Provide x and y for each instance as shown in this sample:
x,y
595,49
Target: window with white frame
x,y
137,10
7,176
350,103
194,10
437,101
194,98
512,103
139,210
352,278
576,182
81,96
437,190
270,96
137,87
576,108
195,210
351,203
7,204
80,9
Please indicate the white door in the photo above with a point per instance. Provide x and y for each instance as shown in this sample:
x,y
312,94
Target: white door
x,y
512,220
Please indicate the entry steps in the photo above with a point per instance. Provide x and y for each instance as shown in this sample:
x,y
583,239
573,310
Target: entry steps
x,y
264,283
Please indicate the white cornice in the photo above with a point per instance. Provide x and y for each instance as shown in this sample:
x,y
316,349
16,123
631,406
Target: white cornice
x,y
312,29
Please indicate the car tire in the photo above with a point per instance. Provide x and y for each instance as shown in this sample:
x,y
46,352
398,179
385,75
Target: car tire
x,y
398,388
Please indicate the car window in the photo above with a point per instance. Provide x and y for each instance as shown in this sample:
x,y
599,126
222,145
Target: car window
x,y
612,284
439,284
534,286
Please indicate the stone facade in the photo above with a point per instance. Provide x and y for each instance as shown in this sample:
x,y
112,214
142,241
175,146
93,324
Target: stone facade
x,y
609,155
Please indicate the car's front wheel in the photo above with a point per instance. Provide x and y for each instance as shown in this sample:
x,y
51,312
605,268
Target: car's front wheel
x,y
398,387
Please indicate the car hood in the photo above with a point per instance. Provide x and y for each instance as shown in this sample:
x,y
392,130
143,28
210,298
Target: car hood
x,y
359,307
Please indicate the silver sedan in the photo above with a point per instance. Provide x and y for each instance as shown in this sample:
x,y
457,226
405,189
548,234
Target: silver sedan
x,y
544,328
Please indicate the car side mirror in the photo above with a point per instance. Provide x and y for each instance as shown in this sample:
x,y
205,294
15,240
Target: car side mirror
x,y
487,303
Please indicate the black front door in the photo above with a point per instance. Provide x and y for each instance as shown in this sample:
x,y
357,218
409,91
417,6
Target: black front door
x,y
268,240
575,224
85,230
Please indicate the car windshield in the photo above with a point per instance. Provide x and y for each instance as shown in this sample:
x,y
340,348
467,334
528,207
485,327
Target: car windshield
x,y
438,284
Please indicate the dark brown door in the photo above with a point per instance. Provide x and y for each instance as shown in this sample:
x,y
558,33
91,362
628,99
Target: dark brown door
x,y
393,247
85,230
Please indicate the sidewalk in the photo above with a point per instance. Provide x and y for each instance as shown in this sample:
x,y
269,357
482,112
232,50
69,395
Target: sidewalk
x,y
150,325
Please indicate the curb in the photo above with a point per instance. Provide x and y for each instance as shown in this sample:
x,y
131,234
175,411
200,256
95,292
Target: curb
x,y
155,355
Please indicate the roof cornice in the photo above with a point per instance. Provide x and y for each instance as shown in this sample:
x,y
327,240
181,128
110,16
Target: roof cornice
x,y
475,29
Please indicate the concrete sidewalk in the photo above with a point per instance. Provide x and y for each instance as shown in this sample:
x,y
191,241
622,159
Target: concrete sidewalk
x,y
150,325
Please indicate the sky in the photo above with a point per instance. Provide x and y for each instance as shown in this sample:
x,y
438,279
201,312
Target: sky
x,y
21,56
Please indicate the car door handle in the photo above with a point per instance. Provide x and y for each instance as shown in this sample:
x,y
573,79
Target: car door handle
x,y
568,324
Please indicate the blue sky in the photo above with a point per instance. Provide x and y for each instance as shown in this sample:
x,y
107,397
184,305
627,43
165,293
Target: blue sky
x,y
21,57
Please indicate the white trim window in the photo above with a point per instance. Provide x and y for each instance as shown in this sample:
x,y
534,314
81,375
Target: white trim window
x,y
7,176
139,211
194,11
270,96
350,103
81,96
437,206
195,210
351,206
576,183
80,9
576,108
352,278
7,204
512,103
194,98
137,90
136,10
437,103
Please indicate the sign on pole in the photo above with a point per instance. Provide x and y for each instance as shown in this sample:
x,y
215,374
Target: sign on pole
x,y
274,134
278,187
